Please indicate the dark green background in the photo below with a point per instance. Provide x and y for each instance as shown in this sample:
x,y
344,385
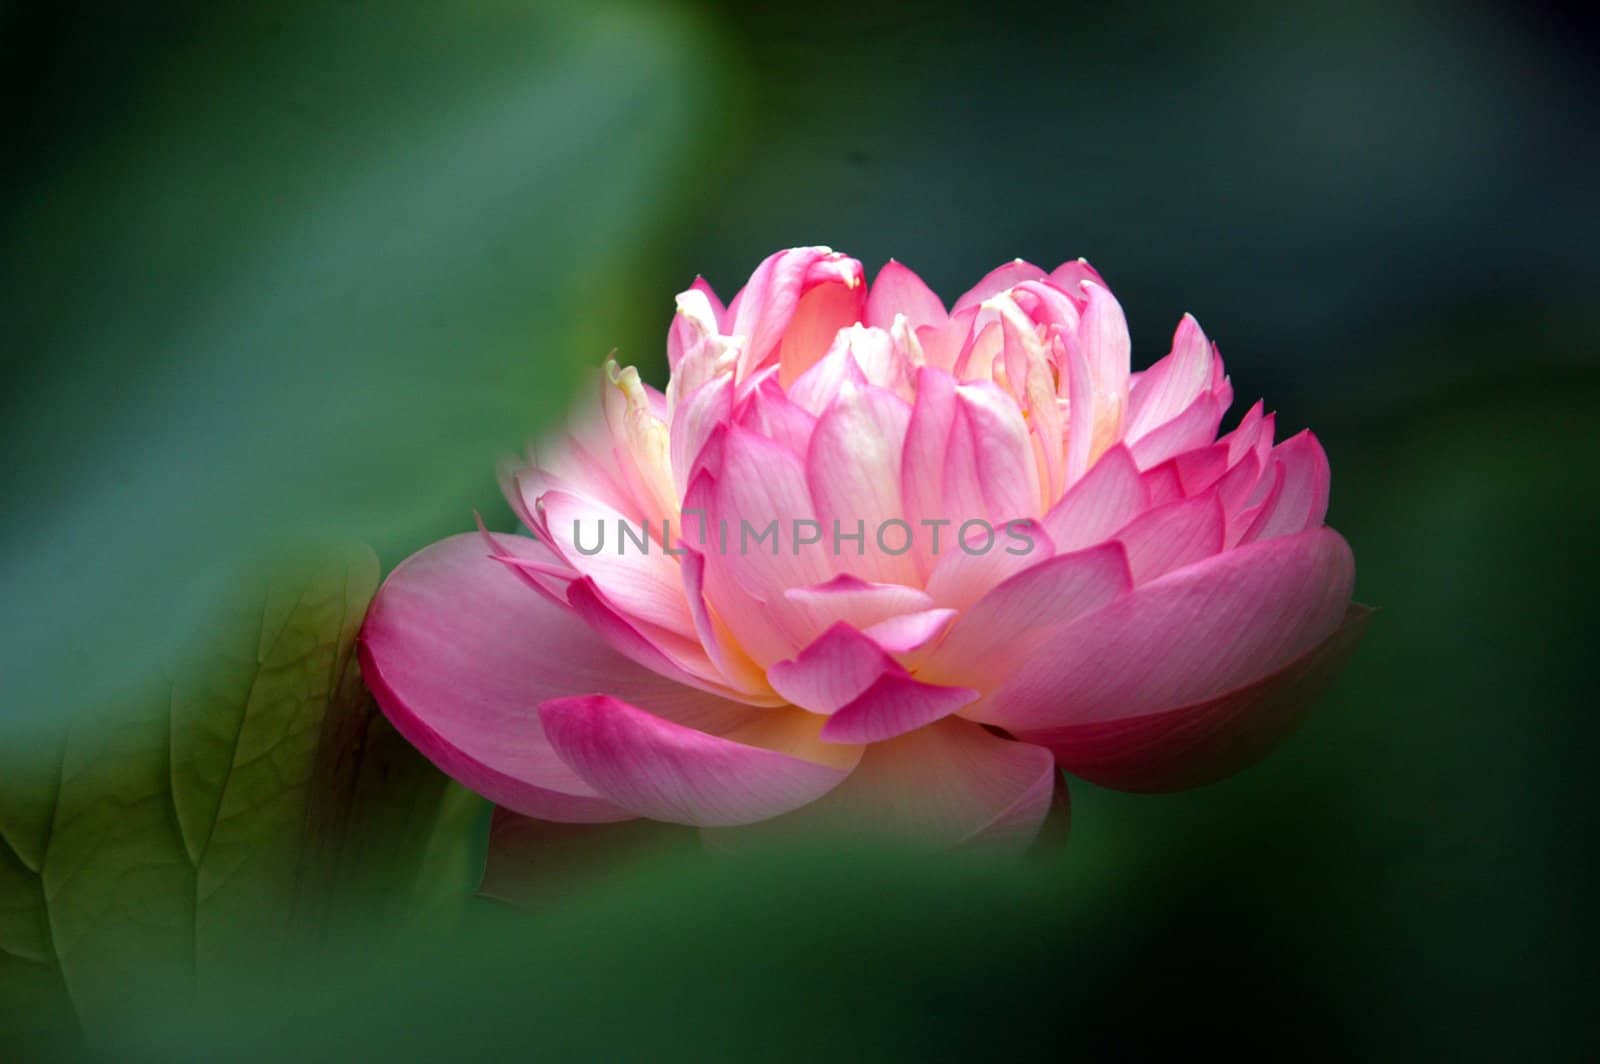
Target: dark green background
x,y
310,270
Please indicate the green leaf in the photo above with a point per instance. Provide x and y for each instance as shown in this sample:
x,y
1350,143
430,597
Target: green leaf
x,y
327,266
231,816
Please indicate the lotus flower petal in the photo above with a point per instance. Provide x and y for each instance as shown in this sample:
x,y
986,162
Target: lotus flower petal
x,y
897,291
458,650
656,768
1144,651
950,784
1174,749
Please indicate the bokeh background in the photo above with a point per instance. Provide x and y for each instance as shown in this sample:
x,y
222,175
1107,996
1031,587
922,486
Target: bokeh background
x,y
303,271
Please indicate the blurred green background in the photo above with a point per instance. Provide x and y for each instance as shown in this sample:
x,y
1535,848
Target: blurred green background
x,y
304,271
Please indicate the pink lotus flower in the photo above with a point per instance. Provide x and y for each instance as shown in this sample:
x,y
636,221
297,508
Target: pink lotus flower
x,y
738,607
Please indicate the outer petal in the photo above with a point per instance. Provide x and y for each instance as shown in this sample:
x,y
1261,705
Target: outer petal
x,y
459,653
1193,635
1248,435
946,785
1167,388
629,567
1302,502
1194,427
1201,743
911,637
896,703
998,280
665,771
832,671
1200,468
767,307
898,290
1015,622
1069,275
699,312
671,655
1107,498
959,579
1172,536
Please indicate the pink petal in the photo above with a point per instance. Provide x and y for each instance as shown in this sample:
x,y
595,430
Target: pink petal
x,y
1103,337
1195,426
832,671
821,314
1069,276
724,652
988,471
765,308
1180,748
458,653
894,704
853,470
949,784
819,385
998,280
1201,467
898,290
665,771
634,413
761,483
911,636
769,410
882,359
943,345
541,568
758,631
923,464
1107,498
1302,502
641,582
1234,488
688,329
984,345
1172,536
854,601
671,655
1018,618
1246,436
694,422
1027,357
1076,384
1172,384
1163,484
1188,637
960,578
586,468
